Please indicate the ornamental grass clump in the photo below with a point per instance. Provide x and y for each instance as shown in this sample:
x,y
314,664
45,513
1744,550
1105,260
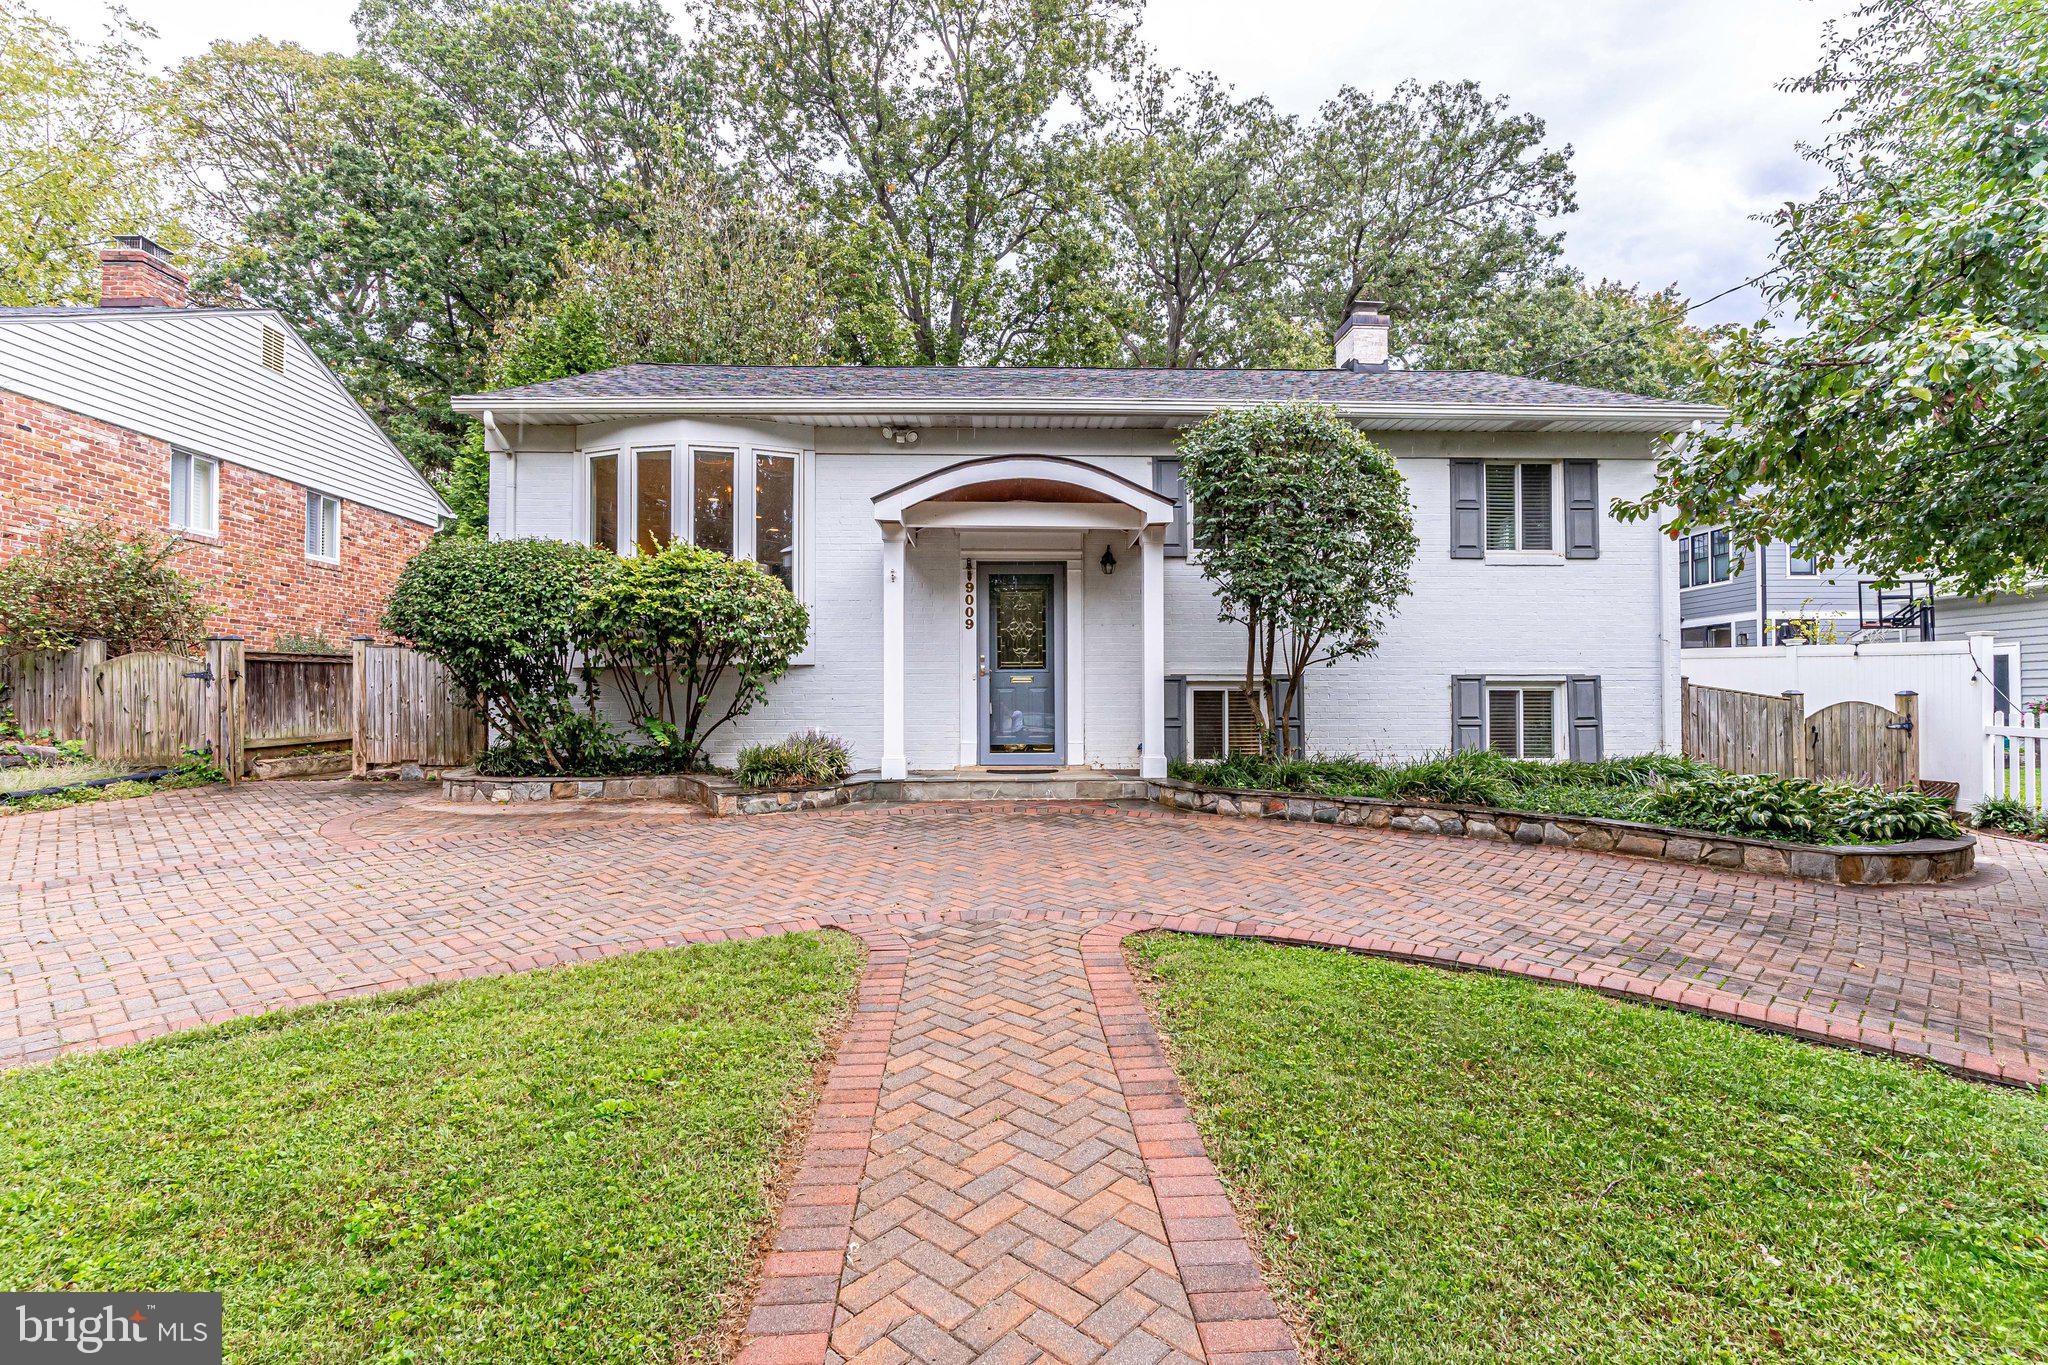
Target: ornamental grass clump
x,y
811,758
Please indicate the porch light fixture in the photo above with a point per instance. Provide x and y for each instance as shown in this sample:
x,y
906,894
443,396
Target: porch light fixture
x,y
1108,559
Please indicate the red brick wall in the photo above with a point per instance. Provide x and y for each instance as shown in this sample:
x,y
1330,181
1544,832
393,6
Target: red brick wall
x,y
57,467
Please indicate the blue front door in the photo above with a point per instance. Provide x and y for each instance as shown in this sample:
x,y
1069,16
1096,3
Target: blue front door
x,y
1020,667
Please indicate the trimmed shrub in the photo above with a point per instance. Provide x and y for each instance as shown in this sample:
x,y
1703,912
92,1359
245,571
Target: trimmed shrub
x,y
693,637
500,615
809,759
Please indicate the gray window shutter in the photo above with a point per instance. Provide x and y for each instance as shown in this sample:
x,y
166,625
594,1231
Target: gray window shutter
x,y
1581,509
1468,713
1166,479
1176,723
1294,712
1582,699
1468,523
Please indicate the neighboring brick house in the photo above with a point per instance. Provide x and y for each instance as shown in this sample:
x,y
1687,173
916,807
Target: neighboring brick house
x,y
217,424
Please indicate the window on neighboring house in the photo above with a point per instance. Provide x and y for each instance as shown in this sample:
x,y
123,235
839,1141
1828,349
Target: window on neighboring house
x,y
1705,557
1221,722
1799,566
323,527
1520,507
1521,721
1685,563
653,500
195,494
1720,542
775,515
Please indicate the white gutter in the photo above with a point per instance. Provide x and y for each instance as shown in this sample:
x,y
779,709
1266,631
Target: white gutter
x,y
1669,417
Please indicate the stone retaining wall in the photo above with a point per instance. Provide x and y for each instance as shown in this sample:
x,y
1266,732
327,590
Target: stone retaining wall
x,y
718,795
1920,861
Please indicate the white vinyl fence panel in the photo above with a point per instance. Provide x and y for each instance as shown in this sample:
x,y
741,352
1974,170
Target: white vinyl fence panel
x,y
1952,678
2015,759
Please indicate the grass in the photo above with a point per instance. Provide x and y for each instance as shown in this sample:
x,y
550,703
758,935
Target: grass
x,y
563,1165
58,775
1462,1167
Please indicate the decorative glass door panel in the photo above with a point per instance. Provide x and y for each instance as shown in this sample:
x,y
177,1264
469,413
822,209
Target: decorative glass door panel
x,y
1023,692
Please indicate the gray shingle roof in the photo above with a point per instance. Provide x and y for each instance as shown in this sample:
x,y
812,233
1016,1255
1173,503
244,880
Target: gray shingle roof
x,y
939,382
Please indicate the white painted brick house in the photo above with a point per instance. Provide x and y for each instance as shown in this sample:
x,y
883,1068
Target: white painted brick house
x,y
912,507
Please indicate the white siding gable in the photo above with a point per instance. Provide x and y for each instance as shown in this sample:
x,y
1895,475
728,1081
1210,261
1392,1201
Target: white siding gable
x,y
197,379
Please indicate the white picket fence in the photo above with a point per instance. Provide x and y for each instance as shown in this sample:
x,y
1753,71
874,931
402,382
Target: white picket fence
x,y
2016,759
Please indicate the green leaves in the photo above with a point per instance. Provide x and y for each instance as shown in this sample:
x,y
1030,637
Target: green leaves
x,y
1304,527
95,580
1899,428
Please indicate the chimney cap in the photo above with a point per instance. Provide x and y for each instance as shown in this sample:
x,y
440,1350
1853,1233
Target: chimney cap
x,y
135,241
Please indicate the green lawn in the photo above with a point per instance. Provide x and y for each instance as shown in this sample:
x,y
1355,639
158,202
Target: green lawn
x,y
1451,1167
563,1165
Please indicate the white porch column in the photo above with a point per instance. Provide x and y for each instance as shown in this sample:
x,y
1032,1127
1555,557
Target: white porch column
x,y
1152,675
894,765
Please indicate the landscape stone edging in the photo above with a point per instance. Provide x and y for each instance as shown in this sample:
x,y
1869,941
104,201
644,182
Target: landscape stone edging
x,y
718,795
1918,862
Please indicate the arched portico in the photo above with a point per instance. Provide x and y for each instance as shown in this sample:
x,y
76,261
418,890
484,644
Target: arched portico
x,y
1026,493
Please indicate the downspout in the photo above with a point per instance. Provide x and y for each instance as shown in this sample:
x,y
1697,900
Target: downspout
x,y
493,434
1763,595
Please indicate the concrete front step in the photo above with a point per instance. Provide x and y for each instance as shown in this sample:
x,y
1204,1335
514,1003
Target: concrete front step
x,y
974,784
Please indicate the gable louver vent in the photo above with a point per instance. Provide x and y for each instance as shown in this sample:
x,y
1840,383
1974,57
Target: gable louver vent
x,y
273,348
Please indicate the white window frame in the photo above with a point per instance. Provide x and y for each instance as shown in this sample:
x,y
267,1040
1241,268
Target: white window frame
x,y
1792,569
317,504
1553,555
1560,738
182,519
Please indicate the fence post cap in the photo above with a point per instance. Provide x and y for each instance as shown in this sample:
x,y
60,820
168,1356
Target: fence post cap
x,y
1908,692
362,637
211,638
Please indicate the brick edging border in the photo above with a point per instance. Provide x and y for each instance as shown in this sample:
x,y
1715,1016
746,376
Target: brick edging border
x,y
1234,1314
789,1321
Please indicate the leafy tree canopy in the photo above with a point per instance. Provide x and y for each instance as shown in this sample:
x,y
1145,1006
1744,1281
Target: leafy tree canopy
x,y
1901,427
1306,530
83,154
1606,336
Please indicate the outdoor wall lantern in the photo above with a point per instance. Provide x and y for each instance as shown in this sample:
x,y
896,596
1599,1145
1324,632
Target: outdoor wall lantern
x,y
1108,559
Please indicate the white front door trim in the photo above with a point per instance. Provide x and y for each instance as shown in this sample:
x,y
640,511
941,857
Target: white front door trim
x,y
1073,663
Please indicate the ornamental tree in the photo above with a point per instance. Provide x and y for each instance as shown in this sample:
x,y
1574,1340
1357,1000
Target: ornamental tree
x,y
501,617
1305,528
94,580
1901,425
693,638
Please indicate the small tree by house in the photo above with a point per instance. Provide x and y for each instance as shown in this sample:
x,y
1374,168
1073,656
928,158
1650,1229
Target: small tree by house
x,y
1305,528
501,617
95,581
694,638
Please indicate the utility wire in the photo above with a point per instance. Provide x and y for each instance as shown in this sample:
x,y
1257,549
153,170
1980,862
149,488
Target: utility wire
x,y
1632,333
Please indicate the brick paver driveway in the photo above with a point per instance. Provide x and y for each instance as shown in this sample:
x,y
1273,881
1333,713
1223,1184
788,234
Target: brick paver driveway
x,y
1002,1168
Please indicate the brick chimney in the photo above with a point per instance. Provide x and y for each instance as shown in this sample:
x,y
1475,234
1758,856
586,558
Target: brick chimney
x,y
1362,337
137,273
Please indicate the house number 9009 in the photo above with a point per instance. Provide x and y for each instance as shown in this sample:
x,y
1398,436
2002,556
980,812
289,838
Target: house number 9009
x,y
968,592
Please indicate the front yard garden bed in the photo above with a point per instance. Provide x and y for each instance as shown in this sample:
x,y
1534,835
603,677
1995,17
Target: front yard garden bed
x,y
572,1164
1765,825
1448,1166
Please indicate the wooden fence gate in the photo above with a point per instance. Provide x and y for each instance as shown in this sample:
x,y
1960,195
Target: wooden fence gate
x,y
1851,741
406,712
298,699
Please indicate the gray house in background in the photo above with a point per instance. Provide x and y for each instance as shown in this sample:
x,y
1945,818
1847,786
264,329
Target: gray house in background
x,y
1731,595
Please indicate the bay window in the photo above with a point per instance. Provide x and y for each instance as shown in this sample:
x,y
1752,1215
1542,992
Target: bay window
x,y
738,501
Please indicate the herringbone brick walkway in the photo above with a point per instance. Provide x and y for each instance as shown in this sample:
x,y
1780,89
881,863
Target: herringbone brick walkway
x,y
1002,1167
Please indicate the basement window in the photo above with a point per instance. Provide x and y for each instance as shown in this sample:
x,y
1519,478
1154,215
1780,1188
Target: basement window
x,y
1521,722
1221,722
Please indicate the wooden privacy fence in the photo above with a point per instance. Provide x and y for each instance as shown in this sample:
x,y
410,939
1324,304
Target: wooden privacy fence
x,y
297,699
393,706
406,712
1851,741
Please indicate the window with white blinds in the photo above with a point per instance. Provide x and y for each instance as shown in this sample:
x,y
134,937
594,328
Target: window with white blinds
x,y
195,494
1521,507
1221,722
1521,722
323,527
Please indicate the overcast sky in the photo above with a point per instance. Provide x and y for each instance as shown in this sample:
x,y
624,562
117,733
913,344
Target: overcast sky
x,y
1680,136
